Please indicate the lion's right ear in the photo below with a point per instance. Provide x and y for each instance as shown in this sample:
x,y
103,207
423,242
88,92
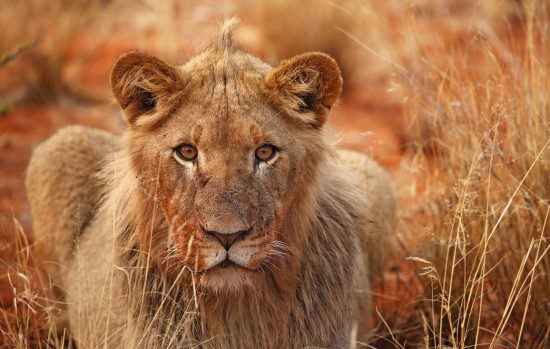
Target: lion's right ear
x,y
306,86
141,83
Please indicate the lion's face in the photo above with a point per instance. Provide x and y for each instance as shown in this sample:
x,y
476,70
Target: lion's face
x,y
223,147
223,180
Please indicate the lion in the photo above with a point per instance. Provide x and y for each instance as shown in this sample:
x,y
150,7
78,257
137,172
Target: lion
x,y
224,216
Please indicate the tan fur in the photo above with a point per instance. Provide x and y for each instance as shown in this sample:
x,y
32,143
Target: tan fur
x,y
141,270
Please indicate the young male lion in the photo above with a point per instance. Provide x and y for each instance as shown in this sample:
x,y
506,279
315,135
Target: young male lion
x,y
222,218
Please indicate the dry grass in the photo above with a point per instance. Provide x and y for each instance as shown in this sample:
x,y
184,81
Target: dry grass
x,y
473,79
26,313
484,262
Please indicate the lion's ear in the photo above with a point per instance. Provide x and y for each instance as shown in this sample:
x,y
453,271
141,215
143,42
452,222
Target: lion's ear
x,y
140,81
306,86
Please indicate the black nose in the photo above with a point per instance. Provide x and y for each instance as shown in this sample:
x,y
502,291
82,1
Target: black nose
x,y
228,239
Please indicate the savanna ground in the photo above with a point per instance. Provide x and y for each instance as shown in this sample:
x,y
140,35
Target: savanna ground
x,y
452,97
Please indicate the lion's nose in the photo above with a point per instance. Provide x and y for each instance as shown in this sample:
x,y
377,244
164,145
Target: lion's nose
x,y
228,239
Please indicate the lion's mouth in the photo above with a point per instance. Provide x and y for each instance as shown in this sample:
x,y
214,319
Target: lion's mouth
x,y
227,263
227,275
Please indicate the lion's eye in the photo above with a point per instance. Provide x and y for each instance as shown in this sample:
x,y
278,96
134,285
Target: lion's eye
x,y
265,152
186,152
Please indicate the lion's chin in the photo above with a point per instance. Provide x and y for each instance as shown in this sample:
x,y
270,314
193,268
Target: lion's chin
x,y
227,278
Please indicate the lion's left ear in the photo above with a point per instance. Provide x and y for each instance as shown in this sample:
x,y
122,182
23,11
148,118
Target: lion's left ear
x,y
306,86
139,81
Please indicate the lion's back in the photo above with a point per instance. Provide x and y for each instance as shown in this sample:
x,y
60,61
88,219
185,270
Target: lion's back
x,y
375,183
377,194
62,190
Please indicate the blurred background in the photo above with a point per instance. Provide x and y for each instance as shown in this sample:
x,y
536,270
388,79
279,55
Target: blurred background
x,y
450,96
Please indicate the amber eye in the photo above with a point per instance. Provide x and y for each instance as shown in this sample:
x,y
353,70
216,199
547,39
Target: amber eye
x,y
186,152
265,152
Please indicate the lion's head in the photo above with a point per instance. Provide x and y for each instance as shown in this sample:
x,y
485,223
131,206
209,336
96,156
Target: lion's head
x,y
223,147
